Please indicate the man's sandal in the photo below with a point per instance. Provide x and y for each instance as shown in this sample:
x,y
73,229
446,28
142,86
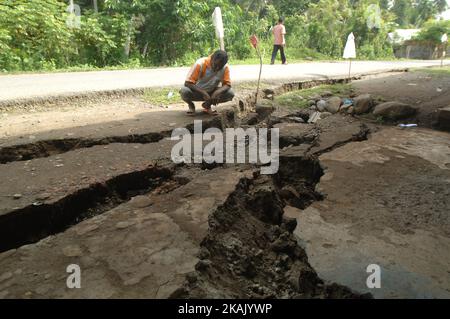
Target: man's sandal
x,y
191,111
209,111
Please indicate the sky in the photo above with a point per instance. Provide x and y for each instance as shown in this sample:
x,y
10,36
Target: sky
x,y
446,14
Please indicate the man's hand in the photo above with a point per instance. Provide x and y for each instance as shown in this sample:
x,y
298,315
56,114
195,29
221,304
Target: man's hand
x,y
215,97
194,88
206,96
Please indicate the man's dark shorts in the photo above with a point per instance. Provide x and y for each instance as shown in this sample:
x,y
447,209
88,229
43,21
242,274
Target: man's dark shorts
x,y
189,96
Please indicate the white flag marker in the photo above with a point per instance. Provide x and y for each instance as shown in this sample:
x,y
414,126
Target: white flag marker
x,y
350,51
218,24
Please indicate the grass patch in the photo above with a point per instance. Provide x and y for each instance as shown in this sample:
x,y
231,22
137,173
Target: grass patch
x,y
162,96
301,98
444,71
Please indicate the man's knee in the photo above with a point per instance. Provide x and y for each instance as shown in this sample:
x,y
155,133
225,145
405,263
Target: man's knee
x,y
186,93
228,95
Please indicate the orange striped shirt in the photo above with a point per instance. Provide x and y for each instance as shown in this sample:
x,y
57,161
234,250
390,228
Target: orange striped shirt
x,y
202,75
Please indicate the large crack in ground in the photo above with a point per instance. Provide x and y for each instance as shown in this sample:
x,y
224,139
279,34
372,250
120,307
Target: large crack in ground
x,y
50,147
38,221
46,148
249,250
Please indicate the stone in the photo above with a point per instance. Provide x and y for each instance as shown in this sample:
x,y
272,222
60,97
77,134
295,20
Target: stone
x,y
192,277
333,104
17,196
290,224
315,97
344,108
264,111
289,192
321,105
314,117
141,201
363,103
351,110
324,115
326,94
125,224
203,265
296,119
394,110
251,119
44,196
296,133
72,251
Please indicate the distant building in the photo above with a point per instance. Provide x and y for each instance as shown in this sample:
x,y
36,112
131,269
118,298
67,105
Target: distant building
x,y
406,47
400,36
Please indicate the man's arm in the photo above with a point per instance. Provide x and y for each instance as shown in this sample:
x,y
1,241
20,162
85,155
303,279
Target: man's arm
x,y
195,88
191,80
226,84
215,96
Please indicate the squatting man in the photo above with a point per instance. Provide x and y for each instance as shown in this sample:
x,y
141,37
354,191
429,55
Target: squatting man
x,y
203,80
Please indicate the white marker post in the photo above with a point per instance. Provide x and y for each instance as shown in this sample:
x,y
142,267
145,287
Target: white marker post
x,y
350,51
444,41
218,24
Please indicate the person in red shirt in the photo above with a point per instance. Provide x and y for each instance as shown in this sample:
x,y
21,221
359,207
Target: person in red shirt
x,y
279,41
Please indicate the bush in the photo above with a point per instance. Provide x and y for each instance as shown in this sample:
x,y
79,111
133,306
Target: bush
x,y
433,31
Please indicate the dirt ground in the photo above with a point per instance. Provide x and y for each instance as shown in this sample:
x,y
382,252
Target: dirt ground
x,y
422,89
93,184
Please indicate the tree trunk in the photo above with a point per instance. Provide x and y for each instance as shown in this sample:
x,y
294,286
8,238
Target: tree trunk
x,y
144,52
126,48
95,6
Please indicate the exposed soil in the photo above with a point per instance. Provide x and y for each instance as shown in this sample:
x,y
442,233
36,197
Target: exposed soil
x,y
425,91
95,185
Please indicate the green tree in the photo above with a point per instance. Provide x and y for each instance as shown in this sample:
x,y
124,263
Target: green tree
x,y
424,10
403,11
433,31
33,35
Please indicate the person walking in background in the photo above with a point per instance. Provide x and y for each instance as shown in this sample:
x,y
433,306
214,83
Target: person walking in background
x,y
279,41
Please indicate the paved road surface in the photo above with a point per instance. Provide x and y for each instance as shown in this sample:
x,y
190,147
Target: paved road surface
x,y
26,86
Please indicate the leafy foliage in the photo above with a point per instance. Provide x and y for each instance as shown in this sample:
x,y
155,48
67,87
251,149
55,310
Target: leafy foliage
x,y
433,31
34,34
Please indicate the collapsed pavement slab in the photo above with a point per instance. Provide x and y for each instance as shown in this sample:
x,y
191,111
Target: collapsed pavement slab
x,y
141,249
42,195
386,202
148,127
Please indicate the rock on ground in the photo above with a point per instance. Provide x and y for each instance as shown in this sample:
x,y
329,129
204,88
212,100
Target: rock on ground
x,y
363,104
333,104
394,110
